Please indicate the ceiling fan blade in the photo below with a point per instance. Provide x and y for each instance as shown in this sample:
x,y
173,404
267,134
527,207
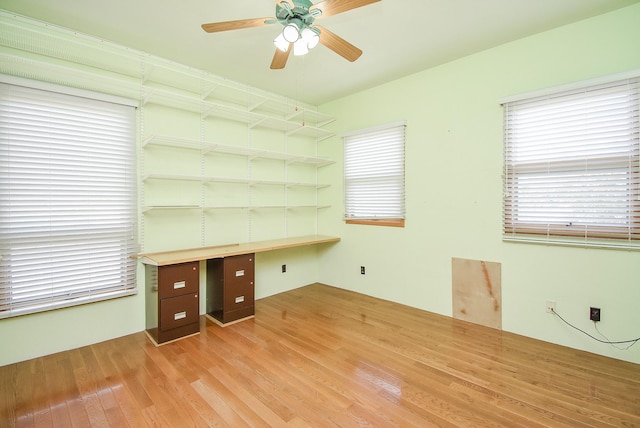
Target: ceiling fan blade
x,y
235,25
334,7
338,44
280,58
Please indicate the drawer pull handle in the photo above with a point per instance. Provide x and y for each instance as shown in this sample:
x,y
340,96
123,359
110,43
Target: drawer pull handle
x,y
179,315
179,284
240,272
239,299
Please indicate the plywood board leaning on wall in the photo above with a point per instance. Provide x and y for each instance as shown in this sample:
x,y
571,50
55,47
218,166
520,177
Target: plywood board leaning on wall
x,y
477,293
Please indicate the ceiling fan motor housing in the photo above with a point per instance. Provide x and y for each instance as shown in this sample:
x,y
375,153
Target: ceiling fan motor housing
x,y
299,12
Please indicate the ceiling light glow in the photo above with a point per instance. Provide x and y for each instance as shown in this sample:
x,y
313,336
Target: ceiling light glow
x,y
310,37
300,48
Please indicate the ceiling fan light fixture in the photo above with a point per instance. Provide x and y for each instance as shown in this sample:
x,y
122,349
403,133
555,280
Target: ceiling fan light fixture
x,y
298,33
300,48
310,37
281,43
291,32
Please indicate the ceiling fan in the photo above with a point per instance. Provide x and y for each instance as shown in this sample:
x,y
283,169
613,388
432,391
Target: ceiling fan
x,y
299,33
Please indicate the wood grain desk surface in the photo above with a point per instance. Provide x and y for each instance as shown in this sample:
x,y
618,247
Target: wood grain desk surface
x,y
204,253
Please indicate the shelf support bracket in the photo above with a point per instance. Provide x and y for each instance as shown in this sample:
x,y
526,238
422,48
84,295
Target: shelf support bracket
x,y
255,105
256,123
148,75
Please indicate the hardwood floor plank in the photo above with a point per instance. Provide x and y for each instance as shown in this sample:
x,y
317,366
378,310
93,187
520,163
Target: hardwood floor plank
x,y
126,399
24,410
10,398
78,412
94,410
216,394
39,400
161,389
320,356
245,402
57,382
43,418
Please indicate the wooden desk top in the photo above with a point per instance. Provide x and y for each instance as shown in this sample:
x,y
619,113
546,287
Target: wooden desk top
x,y
196,254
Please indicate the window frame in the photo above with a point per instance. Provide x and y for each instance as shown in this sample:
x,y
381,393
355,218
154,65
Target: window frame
x,y
94,225
614,164
391,171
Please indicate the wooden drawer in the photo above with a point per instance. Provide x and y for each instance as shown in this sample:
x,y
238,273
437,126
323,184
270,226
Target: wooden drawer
x,y
179,311
239,270
175,280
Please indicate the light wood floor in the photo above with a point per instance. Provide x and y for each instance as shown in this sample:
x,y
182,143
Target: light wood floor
x,y
319,356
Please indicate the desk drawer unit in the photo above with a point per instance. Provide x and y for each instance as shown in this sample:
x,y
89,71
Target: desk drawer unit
x,y
231,288
172,301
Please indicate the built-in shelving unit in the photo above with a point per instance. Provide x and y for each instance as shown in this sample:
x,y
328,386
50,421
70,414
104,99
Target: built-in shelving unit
x,y
208,148
201,101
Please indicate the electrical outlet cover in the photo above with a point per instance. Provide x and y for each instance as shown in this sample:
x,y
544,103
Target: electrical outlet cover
x,y
551,306
594,314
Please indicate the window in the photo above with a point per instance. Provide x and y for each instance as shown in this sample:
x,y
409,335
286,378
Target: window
x,y
572,166
67,200
374,176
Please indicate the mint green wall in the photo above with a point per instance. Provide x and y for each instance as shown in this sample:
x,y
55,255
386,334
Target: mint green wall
x,y
454,189
45,333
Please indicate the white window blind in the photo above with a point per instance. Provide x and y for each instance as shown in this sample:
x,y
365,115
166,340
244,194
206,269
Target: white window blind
x,y
374,173
67,200
572,166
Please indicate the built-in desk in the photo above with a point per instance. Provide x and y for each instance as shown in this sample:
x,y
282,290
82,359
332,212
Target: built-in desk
x,y
197,254
172,284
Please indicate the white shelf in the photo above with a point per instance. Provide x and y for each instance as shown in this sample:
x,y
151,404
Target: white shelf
x,y
170,207
246,207
316,185
248,181
210,147
295,207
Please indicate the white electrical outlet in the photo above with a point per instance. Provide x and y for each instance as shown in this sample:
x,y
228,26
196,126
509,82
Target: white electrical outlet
x,y
551,306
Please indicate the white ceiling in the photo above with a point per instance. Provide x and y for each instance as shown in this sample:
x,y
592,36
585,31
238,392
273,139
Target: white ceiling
x,y
398,37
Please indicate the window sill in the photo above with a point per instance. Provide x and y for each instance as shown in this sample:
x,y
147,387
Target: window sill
x,y
392,222
578,243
